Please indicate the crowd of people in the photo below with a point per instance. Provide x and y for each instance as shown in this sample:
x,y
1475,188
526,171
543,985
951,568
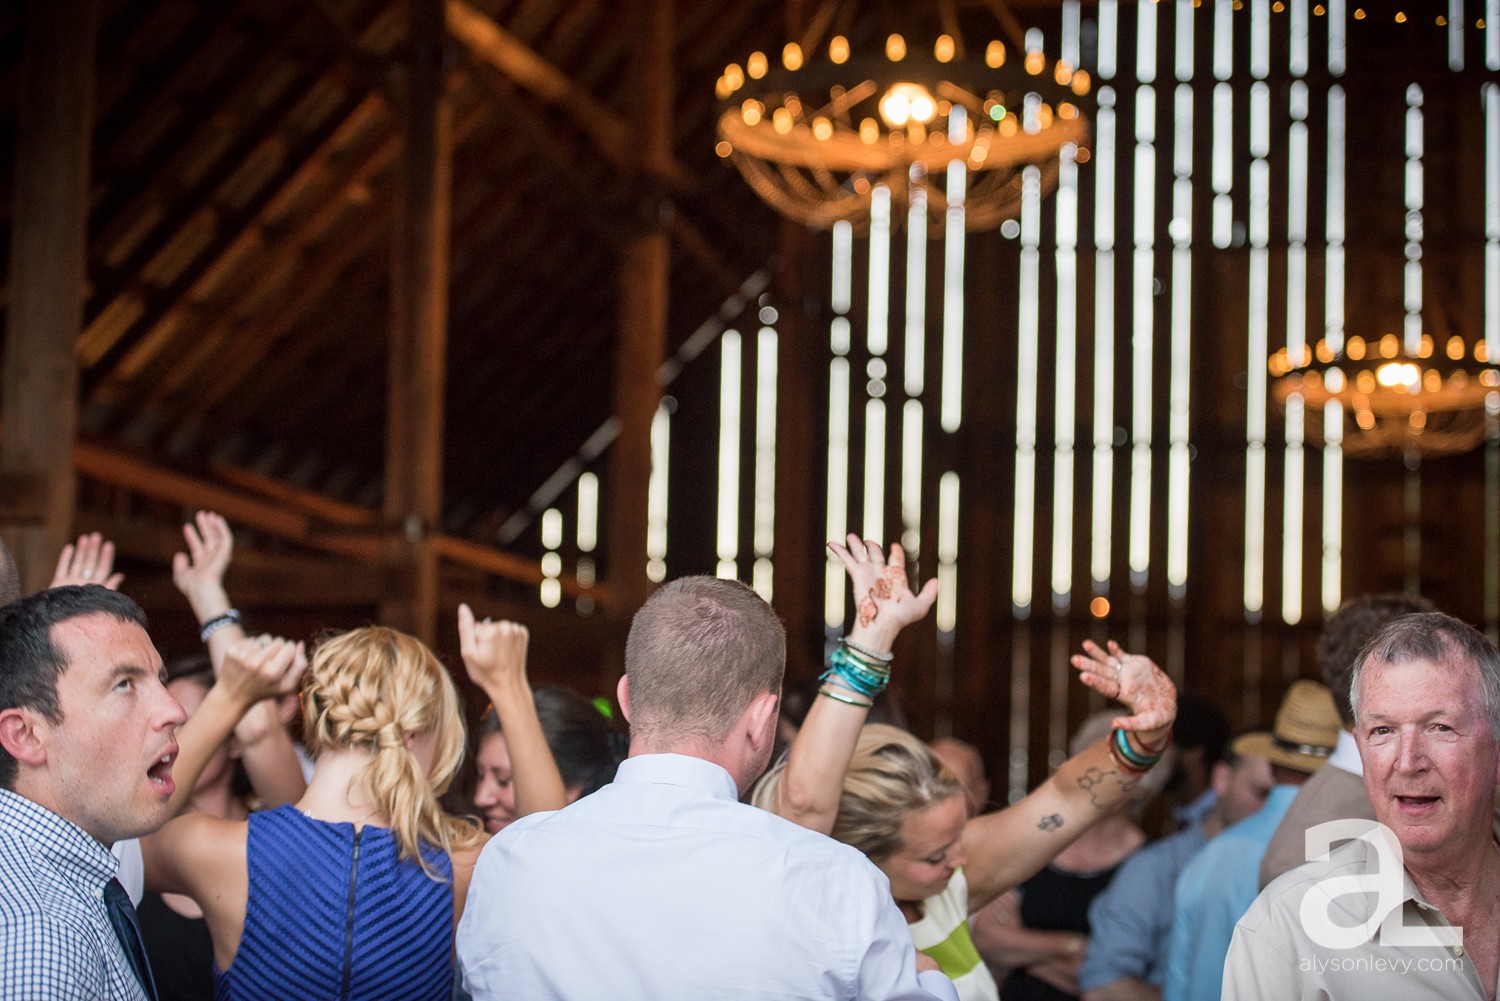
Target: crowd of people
x,y
265,818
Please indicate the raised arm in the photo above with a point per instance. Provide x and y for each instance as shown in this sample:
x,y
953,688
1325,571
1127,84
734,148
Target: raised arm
x,y
1006,848
90,560
266,749
495,655
254,669
810,787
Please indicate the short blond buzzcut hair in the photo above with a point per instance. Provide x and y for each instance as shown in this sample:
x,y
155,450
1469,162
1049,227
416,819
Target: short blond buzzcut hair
x,y
700,650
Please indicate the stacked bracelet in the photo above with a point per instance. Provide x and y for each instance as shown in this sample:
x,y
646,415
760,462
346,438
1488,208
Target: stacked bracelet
x,y
854,673
867,655
213,625
838,696
1128,758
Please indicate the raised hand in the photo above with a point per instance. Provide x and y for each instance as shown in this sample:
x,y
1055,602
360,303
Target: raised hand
x,y
90,560
261,667
1131,678
199,572
883,597
494,652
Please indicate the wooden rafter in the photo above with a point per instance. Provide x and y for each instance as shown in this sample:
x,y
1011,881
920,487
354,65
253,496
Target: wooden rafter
x,y
520,63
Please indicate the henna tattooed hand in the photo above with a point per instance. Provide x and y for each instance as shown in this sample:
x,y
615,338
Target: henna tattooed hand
x,y
884,598
1133,679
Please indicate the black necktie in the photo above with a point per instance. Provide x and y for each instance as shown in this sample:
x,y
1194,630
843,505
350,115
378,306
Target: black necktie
x,y
122,918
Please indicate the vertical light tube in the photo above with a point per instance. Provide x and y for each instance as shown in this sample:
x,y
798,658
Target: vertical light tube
x,y
764,539
1027,373
1065,406
1333,332
880,270
1104,344
588,512
552,537
913,374
915,359
1143,294
837,525
1256,349
951,412
874,513
947,599
730,381
1180,388
840,339
1413,289
911,477
656,496
1223,132
1296,345
1109,37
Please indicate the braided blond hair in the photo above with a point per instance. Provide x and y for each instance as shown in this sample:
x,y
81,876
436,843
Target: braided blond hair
x,y
368,689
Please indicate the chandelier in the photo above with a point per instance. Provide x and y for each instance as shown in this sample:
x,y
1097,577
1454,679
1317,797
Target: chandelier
x,y
815,131
1432,401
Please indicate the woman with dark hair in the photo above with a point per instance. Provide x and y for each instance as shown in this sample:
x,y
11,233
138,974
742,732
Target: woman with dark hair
x,y
587,746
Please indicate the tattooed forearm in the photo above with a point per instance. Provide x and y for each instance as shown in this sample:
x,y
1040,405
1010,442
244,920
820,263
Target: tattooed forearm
x,y
1050,823
1100,784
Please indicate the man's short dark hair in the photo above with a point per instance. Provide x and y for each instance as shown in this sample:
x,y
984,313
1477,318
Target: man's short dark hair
x,y
1440,639
30,663
699,652
1349,630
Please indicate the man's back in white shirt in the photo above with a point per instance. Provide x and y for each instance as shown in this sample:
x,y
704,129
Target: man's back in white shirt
x,y
662,886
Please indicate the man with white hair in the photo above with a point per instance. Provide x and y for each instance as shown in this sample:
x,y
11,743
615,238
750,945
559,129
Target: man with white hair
x,y
1355,925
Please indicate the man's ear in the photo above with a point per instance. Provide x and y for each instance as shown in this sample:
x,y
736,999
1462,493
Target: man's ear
x,y
762,719
622,691
21,737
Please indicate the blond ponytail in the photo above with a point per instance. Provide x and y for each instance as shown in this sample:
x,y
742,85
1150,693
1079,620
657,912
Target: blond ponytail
x,y
371,688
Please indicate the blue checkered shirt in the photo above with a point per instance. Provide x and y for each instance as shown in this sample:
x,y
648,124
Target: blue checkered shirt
x,y
56,943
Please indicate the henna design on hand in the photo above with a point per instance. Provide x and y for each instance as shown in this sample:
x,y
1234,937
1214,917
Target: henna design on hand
x,y
882,588
868,612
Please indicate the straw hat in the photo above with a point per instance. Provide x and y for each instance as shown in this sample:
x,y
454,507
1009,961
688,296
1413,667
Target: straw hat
x,y
1306,729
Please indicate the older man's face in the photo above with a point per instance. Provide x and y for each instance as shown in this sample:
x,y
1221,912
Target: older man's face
x,y
1431,763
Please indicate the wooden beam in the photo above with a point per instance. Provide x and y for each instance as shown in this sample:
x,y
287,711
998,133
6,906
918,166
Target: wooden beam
x,y
419,332
275,508
520,63
645,270
49,234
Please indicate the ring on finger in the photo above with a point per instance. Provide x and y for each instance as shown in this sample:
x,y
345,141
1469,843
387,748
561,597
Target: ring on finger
x,y
86,574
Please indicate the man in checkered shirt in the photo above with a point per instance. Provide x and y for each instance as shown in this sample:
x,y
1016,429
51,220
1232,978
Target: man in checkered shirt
x,y
86,750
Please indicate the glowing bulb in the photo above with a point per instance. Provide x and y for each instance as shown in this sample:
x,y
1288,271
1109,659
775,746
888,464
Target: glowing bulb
x,y
907,103
994,55
944,49
1397,374
895,48
1355,348
822,128
838,50
1389,346
757,65
869,131
791,56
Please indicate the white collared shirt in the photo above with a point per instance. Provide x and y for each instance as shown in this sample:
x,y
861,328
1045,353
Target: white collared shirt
x,y
662,886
